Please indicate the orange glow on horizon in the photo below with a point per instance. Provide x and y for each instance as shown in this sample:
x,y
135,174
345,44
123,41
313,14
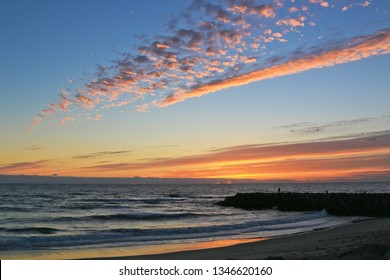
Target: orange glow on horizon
x,y
349,158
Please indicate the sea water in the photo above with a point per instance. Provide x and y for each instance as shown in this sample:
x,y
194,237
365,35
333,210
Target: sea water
x,y
78,217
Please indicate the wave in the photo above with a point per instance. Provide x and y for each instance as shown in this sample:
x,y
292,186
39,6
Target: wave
x,y
142,236
31,230
151,200
144,216
14,209
78,193
122,217
307,220
177,196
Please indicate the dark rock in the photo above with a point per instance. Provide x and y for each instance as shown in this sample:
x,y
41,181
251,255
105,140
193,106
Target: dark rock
x,y
343,204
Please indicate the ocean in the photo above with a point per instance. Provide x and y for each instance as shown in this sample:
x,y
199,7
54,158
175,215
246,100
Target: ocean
x,y
39,219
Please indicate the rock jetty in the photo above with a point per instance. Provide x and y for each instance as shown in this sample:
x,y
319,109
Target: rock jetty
x,y
342,204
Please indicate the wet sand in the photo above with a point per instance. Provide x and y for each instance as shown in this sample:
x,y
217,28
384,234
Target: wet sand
x,y
369,239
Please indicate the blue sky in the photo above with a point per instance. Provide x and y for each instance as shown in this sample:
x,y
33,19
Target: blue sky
x,y
162,58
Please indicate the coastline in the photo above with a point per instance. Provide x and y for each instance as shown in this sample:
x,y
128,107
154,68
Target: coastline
x,y
368,239
360,240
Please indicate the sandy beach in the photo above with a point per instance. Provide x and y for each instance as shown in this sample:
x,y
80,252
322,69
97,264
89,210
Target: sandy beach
x,y
369,239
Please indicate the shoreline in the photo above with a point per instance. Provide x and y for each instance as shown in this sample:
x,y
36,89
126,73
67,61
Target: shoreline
x,y
367,239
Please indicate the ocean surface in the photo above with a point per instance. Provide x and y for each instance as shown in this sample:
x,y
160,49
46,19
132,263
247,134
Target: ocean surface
x,y
79,217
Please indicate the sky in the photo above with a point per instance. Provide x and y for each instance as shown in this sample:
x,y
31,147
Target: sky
x,y
235,89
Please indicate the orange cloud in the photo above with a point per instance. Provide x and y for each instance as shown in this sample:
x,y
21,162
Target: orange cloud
x,y
248,8
294,169
356,49
291,22
345,158
321,2
337,158
30,167
66,119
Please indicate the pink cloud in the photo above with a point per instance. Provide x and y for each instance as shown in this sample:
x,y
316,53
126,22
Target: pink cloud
x,y
292,22
65,120
143,108
321,2
325,4
250,60
249,8
97,117
356,49
212,45
34,148
277,35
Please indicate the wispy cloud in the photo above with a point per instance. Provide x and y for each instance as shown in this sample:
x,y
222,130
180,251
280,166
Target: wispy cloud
x,y
364,3
212,45
311,128
34,148
165,146
20,167
318,159
363,157
100,154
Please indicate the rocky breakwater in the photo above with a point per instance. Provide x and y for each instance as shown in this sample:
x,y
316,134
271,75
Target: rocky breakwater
x,y
342,204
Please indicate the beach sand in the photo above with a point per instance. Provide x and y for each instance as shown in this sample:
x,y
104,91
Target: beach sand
x,y
369,239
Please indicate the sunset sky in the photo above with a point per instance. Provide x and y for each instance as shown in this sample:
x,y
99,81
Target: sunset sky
x,y
265,89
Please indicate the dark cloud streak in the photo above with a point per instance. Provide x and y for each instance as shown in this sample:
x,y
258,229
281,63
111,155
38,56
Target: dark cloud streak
x,y
20,166
100,154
